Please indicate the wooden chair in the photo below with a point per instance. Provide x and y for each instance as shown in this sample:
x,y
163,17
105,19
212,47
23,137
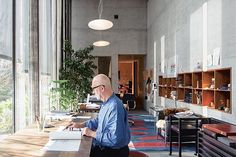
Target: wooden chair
x,y
137,154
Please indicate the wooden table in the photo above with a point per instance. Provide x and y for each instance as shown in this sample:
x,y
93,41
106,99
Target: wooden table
x,y
29,143
87,109
223,129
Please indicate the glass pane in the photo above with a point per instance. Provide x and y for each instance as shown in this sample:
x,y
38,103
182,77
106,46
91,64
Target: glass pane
x,y
6,28
6,73
45,47
22,63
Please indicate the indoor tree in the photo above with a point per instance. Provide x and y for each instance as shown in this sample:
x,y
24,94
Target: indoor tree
x,y
76,75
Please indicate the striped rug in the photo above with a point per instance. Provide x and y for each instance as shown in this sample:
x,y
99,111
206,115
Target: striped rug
x,y
144,137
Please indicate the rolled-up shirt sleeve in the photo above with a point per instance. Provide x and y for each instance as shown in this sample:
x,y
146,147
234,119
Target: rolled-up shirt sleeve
x,y
92,124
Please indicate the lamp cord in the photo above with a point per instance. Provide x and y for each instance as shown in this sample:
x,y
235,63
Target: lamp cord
x,y
100,9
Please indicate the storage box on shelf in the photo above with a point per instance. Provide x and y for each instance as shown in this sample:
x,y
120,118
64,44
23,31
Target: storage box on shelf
x,y
210,88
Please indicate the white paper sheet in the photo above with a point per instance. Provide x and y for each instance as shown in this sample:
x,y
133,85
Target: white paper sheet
x,y
63,140
83,117
63,135
62,145
92,106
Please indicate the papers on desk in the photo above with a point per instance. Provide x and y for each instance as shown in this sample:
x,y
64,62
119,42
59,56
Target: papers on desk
x,y
65,135
62,145
64,115
186,113
63,140
92,106
82,117
58,115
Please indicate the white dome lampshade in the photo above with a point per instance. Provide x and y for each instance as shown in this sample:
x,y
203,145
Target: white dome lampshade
x,y
101,43
100,24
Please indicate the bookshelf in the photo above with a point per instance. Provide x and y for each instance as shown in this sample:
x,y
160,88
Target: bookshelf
x,y
210,88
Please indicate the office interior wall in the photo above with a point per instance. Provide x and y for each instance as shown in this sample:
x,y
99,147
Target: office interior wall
x,y
189,31
127,36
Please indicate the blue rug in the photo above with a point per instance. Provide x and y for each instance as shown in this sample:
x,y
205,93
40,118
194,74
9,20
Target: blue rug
x,y
144,137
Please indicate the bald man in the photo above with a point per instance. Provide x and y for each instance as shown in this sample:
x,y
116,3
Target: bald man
x,y
110,130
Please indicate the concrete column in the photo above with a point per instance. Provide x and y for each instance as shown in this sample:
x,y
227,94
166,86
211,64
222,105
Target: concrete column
x,y
34,58
54,40
114,72
59,33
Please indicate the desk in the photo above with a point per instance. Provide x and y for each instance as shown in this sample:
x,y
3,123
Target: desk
x,y
85,109
223,129
210,146
187,132
29,142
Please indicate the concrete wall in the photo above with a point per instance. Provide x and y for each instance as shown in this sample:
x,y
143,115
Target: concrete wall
x,y
182,24
127,36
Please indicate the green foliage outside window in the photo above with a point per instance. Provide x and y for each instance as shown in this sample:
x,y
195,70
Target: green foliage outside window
x,y
60,93
6,116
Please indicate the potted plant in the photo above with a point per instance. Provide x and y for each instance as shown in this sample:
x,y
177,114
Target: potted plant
x,y
75,76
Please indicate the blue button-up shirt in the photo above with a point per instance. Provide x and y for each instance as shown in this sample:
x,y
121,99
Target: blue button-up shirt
x,y
111,125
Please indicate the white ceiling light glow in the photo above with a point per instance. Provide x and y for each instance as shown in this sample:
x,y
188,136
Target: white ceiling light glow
x,y
101,43
100,24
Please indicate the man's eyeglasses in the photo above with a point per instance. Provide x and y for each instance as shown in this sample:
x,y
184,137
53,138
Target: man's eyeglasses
x,y
93,88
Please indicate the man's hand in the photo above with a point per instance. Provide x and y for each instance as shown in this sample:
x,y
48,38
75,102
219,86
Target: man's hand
x,y
87,132
72,125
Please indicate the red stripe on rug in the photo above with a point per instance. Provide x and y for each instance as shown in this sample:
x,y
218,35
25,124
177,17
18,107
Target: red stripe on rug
x,y
148,138
138,133
138,122
139,128
149,144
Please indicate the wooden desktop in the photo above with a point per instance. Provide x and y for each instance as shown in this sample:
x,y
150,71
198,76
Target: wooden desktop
x,y
223,129
30,142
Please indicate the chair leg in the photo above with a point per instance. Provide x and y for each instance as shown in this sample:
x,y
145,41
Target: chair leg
x,y
170,140
196,144
180,144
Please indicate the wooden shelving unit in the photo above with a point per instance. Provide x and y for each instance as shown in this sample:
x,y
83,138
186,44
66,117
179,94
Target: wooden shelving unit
x,y
166,85
188,80
206,88
197,80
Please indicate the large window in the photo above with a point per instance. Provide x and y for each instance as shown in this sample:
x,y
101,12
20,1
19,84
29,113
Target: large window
x,y
6,71
15,91
23,108
45,52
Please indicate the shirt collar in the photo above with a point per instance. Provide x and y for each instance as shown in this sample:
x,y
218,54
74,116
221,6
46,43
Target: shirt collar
x,y
113,94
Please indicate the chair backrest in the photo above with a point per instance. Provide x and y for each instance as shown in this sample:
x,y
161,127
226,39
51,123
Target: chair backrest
x,y
130,100
137,154
128,96
131,104
118,95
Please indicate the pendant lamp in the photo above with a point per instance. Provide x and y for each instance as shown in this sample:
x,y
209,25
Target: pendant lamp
x,y
101,43
100,24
